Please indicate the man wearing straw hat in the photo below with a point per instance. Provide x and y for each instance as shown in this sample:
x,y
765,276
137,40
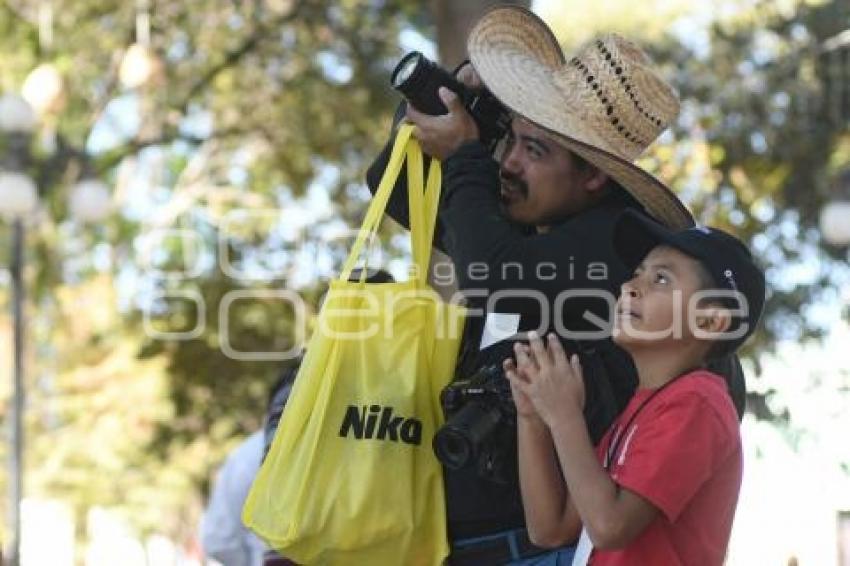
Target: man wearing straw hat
x,y
548,207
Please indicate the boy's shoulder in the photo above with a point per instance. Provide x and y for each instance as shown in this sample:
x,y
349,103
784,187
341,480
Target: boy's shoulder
x,y
707,392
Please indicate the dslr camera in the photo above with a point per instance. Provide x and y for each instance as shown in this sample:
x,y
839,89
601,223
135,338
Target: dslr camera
x,y
417,78
480,428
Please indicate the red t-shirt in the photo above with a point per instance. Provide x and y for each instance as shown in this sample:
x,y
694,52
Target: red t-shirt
x,y
683,454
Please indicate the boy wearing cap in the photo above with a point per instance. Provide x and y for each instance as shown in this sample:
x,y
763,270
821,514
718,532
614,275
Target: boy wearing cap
x,y
662,485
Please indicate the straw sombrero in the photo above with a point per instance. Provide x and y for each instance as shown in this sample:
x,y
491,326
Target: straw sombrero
x,y
607,104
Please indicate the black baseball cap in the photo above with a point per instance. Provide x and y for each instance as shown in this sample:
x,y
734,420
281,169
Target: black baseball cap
x,y
724,256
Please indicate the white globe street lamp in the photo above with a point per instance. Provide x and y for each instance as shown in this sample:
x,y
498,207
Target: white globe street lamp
x,y
90,201
16,115
140,67
44,89
835,214
835,223
18,194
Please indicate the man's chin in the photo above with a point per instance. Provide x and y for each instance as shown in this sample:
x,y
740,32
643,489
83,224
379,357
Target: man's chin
x,y
512,209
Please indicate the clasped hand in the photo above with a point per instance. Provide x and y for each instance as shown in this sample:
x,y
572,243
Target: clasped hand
x,y
546,383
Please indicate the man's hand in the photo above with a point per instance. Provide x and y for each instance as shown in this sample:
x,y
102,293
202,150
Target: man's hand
x,y
440,136
469,77
552,383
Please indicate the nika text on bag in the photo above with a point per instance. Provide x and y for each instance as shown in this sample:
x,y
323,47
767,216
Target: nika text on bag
x,y
363,421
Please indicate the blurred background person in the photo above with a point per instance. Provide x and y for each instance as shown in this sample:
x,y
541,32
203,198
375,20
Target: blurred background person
x,y
223,536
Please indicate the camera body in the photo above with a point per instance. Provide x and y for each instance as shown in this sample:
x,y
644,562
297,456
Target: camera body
x,y
480,428
417,78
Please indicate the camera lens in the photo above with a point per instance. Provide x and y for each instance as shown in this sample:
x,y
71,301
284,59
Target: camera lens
x,y
452,448
405,69
418,79
459,441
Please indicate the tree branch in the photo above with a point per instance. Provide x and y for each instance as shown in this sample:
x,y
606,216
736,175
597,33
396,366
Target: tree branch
x,y
115,156
230,59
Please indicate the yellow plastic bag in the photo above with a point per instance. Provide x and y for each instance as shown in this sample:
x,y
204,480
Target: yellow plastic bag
x,y
351,477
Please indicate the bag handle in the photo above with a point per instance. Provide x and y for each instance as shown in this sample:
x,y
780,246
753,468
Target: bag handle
x,y
422,205
423,209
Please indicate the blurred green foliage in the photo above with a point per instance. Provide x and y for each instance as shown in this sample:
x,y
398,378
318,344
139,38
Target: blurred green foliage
x,y
268,104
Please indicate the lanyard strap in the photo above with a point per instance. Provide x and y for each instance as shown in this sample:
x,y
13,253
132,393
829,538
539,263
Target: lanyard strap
x,y
614,443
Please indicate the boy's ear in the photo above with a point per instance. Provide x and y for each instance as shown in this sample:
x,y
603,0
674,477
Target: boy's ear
x,y
713,320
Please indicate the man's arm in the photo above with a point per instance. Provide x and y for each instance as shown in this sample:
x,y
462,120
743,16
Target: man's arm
x,y
397,206
476,231
475,228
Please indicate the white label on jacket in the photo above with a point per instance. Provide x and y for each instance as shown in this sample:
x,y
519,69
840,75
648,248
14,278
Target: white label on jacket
x,y
498,326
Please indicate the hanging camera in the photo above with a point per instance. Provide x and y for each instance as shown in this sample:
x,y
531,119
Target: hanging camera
x,y
480,429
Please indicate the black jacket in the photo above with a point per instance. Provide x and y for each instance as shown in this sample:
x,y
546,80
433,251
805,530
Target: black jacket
x,y
473,231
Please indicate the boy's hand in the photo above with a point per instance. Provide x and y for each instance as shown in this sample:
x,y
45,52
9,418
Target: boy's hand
x,y
524,407
440,136
553,383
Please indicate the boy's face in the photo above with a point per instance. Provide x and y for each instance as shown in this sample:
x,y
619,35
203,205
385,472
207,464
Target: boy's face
x,y
653,305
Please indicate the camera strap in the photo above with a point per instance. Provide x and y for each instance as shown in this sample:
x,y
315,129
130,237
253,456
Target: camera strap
x,y
614,444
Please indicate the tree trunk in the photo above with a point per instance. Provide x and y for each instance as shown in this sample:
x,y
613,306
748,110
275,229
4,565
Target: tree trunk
x,y
454,19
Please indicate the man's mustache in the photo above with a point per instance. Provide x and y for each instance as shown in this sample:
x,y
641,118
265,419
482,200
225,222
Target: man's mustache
x,y
513,183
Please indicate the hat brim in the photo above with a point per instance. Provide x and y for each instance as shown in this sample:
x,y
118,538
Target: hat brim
x,y
635,236
519,73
